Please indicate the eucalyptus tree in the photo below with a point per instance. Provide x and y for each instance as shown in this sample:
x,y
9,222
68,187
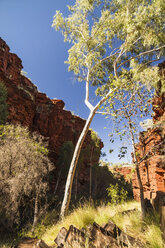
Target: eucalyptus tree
x,y
105,37
128,108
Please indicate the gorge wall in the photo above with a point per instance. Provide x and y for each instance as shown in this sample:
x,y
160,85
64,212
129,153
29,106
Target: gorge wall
x,y
151,146
28,107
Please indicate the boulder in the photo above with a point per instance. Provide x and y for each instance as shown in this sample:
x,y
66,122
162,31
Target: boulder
x,y
95,236
159,201
27,242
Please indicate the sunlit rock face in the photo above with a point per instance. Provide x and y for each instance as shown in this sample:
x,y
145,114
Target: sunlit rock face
x,y
29,107
152,144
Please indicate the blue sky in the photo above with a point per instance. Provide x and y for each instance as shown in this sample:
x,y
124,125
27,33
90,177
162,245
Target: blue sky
x,y
25,25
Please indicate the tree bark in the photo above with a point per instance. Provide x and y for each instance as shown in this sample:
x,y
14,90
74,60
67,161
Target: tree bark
x,y
143,208
162,222
90,182
69,182
76,185
35,220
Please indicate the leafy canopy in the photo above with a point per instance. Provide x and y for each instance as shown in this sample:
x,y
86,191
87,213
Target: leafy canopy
x,y
108,37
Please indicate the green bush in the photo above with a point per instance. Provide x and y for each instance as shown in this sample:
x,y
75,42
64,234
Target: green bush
x,y
116,194
24,176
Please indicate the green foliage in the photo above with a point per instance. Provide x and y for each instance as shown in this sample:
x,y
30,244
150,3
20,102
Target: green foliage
x,y
3,104
113,47
93,26
116,194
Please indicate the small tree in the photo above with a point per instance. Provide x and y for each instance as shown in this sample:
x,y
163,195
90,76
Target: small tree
x,y
105,37
24,169
3,104
130,106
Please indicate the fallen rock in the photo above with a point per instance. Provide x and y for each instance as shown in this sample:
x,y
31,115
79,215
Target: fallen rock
x,y
27,242
102,238
113,229
60,239
159,201
75,238
123,238
95,236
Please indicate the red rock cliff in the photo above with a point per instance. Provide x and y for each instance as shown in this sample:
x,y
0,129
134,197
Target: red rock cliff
x,y
152,143
29,107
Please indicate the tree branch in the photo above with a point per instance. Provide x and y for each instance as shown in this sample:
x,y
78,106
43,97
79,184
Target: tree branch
x,y
117,59
88,104
141,54
80,32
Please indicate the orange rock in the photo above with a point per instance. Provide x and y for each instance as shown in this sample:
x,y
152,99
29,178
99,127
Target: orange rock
x,y
31,108
151,142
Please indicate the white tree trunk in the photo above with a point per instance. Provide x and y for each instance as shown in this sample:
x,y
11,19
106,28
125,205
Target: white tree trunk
x,y
76,185
69,182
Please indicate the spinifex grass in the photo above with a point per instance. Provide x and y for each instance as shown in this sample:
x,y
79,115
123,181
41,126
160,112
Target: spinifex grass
x,y
85,215
147,231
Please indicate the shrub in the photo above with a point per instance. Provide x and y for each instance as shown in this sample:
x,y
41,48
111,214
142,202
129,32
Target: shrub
x,y
116,194
24,170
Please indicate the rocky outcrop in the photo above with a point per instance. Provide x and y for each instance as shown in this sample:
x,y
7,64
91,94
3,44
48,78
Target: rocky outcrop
x,y
28,242
151,146
126,172
29,107
95,236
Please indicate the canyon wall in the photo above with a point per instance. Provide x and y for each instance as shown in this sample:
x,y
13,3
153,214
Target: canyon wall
x,y
151,146
28,107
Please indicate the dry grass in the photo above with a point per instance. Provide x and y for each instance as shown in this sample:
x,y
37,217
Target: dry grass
x,y
147,231
83,216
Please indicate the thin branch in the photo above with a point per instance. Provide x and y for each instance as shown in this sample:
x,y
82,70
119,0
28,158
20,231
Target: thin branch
x,y
157,145
117,59
137,40
104,59
141,54
103,100
78,31
103,113
108,57
149,62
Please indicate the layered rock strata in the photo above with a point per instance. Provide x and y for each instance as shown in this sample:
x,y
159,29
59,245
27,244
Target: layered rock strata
x,y
29,107
96,236
126,172
151,146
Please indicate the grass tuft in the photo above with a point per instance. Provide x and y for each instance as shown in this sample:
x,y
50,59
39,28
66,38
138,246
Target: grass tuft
x,y
85,215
